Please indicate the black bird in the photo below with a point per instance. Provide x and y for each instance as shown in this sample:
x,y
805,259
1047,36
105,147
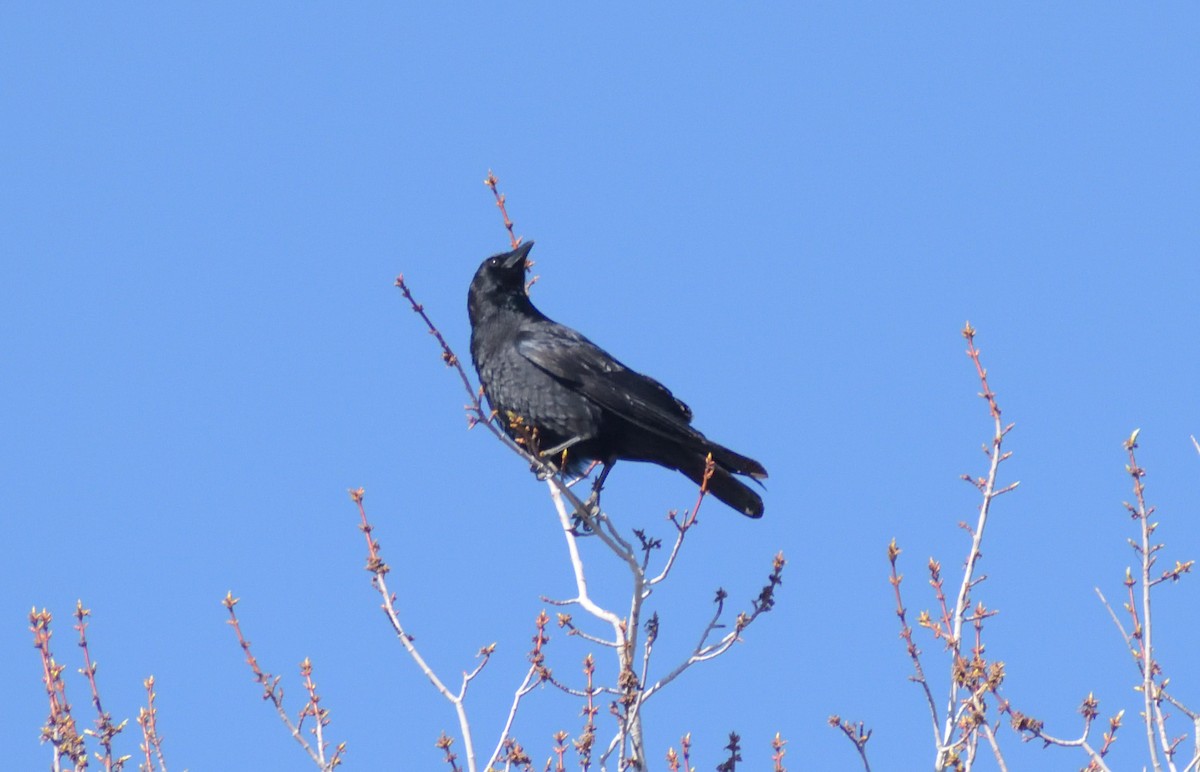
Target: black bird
x,y
581,400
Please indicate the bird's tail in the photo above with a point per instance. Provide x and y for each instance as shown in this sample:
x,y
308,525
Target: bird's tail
x,y
735,462
723,484
726,487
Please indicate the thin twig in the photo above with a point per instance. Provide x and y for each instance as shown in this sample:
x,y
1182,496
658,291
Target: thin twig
x,y
777,745
148,721
272,691
685,523
990,490
1089,709
703,650
587,738
379,571
1153,716
106,731
59,729
501,200
320,718
857,734
895,578
536,674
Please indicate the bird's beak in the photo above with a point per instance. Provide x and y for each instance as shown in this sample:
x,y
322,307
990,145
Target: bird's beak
x,y
518,255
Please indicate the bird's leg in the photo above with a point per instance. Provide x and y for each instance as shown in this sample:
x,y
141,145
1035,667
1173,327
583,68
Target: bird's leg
x,y
593,501
559,450
580,525
560,447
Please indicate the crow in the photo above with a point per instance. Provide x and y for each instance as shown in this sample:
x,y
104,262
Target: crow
x,y
578,403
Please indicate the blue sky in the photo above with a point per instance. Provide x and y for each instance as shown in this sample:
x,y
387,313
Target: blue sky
x,y
784,213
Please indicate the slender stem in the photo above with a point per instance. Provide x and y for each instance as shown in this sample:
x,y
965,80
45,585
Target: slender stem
x,y
1152,709
525,688
989,490
270,684
380,570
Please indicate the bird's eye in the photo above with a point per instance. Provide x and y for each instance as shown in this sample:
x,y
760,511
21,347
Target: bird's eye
x,y
494,262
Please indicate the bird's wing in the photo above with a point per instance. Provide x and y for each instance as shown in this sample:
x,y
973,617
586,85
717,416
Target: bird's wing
x,y
590,371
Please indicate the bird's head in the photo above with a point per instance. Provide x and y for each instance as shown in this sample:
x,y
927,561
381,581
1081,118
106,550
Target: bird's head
x,y
499,282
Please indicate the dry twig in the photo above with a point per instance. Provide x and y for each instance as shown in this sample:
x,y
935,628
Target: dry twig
x,y
59,730
106,731
273,692
151,739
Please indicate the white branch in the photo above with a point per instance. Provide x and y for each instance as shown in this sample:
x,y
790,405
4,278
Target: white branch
x,y
525,688
582,598
456,700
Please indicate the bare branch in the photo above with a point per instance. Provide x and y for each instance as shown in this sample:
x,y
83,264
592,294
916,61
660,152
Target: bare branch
x,y
271,689
990,490
685,523
536,674
857,734
106,731
914,653
379,571
59,729
501,199
148,721
705,651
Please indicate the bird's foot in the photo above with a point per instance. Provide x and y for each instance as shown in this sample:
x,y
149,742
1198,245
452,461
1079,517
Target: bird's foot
x,y
592,504
545,469
579,526
586,515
